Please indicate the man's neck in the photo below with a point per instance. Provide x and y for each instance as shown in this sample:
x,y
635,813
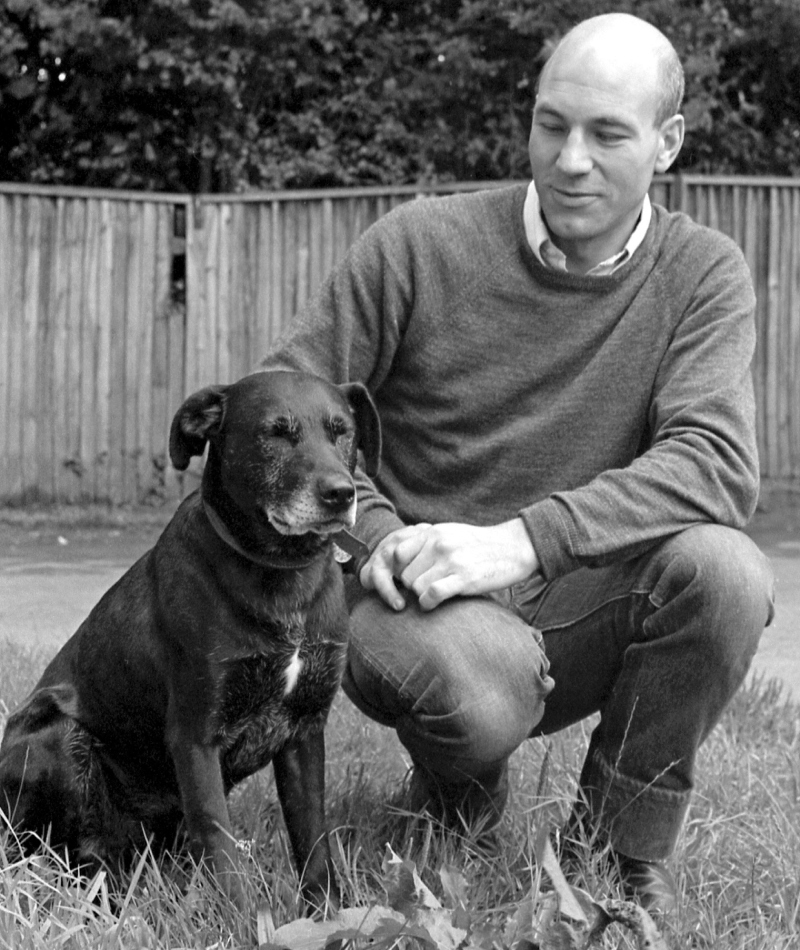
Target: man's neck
x,y
558,254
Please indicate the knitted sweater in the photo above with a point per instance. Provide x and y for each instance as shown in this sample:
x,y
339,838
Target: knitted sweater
x,y
609,412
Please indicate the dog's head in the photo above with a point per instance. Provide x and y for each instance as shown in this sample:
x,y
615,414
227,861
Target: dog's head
x,y
282,447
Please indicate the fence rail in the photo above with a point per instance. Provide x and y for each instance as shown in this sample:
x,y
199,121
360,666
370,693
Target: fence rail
x,y
115,305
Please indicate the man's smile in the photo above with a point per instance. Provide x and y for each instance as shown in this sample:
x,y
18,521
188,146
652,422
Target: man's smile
x,y
572,198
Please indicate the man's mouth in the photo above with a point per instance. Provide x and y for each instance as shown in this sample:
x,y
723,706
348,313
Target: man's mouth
x,y
573,198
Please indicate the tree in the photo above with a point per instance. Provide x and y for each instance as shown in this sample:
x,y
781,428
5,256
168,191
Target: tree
x,y
758,117
219,95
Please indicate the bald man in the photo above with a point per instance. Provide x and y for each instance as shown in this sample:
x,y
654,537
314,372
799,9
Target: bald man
x,y
563,376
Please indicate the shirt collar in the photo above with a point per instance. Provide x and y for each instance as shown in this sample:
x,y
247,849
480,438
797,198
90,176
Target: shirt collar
x,y
542,245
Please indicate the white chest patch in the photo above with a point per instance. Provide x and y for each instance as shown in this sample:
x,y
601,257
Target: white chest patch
x,y
292,672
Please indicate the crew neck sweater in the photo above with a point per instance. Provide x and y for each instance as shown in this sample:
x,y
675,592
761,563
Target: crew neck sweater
x,y
607,412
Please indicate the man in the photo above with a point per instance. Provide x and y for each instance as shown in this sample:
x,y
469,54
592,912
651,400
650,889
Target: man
x,y
563,377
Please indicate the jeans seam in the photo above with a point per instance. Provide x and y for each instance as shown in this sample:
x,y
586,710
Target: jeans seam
x,y
573,621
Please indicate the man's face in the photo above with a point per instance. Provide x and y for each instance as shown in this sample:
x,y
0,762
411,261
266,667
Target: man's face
x,y
594,147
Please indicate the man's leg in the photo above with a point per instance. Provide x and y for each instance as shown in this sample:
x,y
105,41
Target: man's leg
x,y
658,646
464,685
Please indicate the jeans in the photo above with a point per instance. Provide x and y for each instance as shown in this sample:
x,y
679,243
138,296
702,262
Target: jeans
x,y
657,645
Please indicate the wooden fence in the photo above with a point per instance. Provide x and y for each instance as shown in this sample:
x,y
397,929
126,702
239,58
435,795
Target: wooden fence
x,y
115,305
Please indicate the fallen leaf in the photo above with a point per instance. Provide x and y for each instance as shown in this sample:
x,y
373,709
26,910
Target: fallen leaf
x,y
406,889
348,924
521,925
546,859
454,885
635,918
439,924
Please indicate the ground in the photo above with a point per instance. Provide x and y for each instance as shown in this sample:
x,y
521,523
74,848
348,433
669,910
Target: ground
x,y
55,565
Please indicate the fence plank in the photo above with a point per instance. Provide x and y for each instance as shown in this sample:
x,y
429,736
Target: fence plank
x,y
772,354
197,317
161,350
207,356
144,316
90,344
132,356
276,272
15,367
30,307
6,306
793,308
103,354
60,321
46,394
120,240
71,419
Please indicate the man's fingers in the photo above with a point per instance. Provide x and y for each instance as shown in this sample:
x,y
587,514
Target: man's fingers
x,y
386,588
449,560
390,559
406,551
378,575
440,590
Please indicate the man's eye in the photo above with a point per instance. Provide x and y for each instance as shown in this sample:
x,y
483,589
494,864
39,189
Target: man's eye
x,y
610,138
553,128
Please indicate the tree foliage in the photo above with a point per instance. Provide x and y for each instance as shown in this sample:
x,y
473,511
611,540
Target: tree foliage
x,y
221,95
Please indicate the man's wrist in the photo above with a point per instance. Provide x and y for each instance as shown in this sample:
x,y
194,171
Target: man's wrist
x,y
522,545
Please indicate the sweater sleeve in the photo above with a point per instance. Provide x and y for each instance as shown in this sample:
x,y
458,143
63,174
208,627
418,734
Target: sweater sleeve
x,y
699,459
349,332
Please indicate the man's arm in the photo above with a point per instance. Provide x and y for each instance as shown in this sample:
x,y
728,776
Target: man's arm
x,y
700,462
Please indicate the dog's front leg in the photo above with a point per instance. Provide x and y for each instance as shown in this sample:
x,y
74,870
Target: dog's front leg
x,y
300,781
199,775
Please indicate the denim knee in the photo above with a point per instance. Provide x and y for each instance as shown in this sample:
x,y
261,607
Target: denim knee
x,y
718,578
463,684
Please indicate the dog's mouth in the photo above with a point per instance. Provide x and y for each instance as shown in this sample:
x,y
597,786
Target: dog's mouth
x,y
300,526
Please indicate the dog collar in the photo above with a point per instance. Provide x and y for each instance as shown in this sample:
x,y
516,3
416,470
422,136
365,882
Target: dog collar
x,y
222,531
347,547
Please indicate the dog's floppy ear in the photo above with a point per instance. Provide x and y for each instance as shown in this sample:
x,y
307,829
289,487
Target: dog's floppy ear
x,y
368,424
46,705
197,419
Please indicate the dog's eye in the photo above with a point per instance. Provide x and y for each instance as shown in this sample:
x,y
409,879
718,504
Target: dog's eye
x,y
286,428
338,427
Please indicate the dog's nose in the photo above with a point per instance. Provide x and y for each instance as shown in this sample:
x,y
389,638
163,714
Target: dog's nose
x,y
336,493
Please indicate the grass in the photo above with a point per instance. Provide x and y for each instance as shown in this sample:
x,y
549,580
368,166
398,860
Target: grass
x,y
737,860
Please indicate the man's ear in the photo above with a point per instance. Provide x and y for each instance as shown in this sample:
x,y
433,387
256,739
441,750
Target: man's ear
x,y
367,423
670,142
195,422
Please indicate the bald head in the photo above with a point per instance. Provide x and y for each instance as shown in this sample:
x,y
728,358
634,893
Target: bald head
x,y
633,48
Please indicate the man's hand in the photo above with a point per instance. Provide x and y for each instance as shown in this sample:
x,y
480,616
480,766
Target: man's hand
x,y
446,560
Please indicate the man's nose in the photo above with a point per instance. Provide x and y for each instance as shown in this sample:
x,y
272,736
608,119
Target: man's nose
x,y
574,157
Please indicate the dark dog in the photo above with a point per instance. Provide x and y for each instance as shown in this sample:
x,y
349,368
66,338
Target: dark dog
x,y
219,651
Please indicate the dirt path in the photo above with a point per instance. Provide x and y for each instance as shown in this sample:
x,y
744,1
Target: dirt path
x,y
52,573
